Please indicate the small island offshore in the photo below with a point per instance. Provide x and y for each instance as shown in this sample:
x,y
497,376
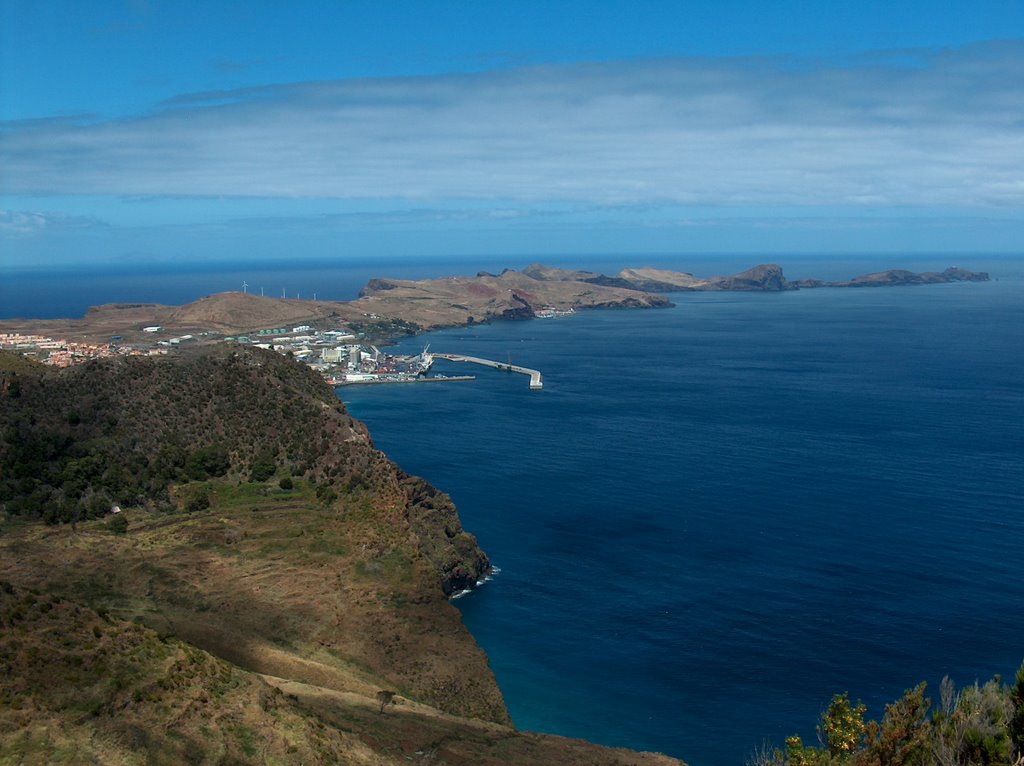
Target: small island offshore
x,y
204,558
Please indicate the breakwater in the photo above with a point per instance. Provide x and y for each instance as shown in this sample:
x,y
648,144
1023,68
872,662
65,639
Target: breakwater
x,y
536,379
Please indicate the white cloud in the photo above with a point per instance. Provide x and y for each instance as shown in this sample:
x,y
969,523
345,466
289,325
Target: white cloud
x,y
937,129
27,223
18,222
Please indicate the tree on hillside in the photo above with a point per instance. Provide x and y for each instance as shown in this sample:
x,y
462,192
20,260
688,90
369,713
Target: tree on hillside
x,y
208,461
385,698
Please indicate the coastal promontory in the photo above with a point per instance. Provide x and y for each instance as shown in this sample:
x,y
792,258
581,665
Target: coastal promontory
x,y
390,308
204,559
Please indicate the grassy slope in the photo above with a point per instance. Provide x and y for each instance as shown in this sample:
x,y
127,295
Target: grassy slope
x,y
81,686
274,584
13,362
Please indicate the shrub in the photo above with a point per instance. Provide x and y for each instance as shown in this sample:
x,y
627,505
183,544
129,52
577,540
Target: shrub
x,y
325,494
263,467
118,525
208,461
198,499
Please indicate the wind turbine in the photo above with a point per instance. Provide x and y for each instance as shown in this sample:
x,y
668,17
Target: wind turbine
x,y
245,285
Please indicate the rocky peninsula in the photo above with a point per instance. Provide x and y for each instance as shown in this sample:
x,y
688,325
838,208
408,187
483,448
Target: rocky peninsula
x,y
765,277
388,308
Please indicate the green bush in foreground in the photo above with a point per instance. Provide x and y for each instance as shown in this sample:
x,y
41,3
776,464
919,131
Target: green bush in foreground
x,y
979,725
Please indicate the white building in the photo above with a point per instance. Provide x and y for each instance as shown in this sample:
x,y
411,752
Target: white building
x,y
332,354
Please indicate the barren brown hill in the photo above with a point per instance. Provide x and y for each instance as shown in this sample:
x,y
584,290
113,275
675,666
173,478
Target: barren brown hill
x,y
555,274
230,313
233,312
762,277
766,277
659,279
98,324
512,295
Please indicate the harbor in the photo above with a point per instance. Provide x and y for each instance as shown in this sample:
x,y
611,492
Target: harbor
x,y
340,356
361,365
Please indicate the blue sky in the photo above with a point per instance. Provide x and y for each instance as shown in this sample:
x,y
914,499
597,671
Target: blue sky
x,y
169,131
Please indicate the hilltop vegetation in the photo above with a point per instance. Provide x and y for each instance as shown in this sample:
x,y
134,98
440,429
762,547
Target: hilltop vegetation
x,y
133,431
125,430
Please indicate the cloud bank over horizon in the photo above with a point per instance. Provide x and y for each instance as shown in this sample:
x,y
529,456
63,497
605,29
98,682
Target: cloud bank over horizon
x,y
909,150
937,128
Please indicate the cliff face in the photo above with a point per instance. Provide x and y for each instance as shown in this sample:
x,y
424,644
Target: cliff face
x,y
766,277
268,579
161,437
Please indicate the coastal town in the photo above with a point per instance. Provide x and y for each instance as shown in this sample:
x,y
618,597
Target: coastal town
x,y
60,352
336,354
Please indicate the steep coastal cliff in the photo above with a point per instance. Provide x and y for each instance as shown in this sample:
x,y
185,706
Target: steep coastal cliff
x,y
255,525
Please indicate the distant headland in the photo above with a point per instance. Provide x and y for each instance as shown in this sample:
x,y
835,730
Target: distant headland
x,y
387,309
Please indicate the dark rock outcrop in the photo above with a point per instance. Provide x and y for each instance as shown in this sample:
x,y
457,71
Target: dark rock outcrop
x,y
376,286
766,277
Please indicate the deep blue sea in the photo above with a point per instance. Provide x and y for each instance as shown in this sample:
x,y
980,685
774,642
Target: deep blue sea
x,y
716,516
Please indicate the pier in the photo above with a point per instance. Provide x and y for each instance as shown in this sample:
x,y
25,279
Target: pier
x,y
536,379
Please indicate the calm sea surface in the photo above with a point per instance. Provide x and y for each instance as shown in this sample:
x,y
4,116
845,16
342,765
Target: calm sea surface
x,y
715,516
